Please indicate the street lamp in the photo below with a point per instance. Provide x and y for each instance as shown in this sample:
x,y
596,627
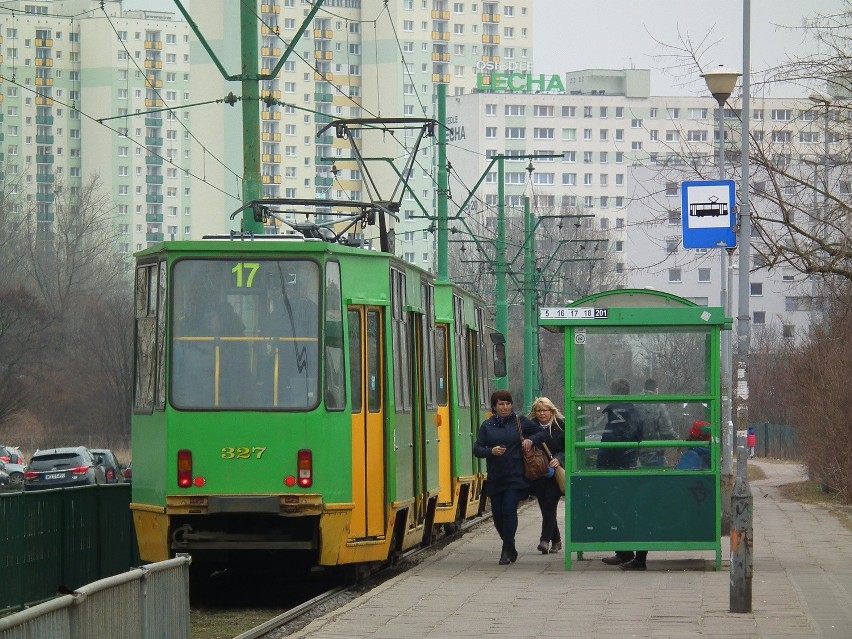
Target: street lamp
x,y
721,82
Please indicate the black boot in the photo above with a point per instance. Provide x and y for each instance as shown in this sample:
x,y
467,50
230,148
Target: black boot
x,y
513,554
505,557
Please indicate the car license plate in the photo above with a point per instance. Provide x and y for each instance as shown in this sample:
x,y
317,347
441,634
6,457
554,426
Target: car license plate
x,y
55,476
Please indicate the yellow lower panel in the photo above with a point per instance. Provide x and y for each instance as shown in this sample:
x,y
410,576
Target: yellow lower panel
x,y
336,547
152,533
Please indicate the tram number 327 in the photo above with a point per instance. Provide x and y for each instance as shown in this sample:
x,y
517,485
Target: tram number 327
x,y
573,313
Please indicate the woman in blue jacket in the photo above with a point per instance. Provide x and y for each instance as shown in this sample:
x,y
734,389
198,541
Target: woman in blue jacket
x,y
499,440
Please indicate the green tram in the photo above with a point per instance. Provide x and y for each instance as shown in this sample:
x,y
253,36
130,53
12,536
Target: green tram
x,y
303,400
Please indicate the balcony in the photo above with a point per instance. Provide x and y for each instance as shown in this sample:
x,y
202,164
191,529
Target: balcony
x,y
270,52
441,35
441,78
490,39
154,199
153,159
270,115
43,101
274,158
322,34
44,62
45,178
440,57
323,97
323,55
322,118
44,139
491,58
271,179
492,18
154,45
321,181
152,103
441,15
153,179
328,76
44,119
153,121
153,64
154,237
325,139
45,197
151,140
270,137
43,42
154,218
44,82
44,159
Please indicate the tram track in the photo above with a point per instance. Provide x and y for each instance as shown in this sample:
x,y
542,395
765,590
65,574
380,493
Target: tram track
x,y
300,615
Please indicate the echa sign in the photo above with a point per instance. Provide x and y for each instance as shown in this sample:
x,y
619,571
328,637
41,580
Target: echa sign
x,y
707,214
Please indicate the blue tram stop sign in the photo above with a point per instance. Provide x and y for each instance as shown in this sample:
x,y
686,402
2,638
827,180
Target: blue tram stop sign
x,y
707,214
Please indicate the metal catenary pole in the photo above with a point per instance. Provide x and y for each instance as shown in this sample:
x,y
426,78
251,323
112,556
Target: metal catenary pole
x,y
741,531
443,186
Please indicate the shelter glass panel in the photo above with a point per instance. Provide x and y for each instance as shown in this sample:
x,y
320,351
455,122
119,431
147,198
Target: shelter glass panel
x,y
677,359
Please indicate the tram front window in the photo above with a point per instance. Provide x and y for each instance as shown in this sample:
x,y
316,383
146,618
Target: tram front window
x,y
245,334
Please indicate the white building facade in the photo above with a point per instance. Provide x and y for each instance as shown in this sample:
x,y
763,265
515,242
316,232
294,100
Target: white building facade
x,y
67,65
622,156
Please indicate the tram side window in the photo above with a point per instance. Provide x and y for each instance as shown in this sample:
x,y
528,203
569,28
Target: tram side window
x,y
400,345
356,373
335,388
428,329
160,398
462,373
146,337
441,363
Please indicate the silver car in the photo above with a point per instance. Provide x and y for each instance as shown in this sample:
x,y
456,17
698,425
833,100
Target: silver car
x,y
13,458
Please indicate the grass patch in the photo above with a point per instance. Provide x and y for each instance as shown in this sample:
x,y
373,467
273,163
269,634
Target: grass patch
x,y
810,492
754,473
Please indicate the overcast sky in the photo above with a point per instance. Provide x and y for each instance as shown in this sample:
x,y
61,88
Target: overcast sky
x,y
571,35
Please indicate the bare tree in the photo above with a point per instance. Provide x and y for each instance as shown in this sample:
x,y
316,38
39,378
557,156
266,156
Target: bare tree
x,y
24,325
75,253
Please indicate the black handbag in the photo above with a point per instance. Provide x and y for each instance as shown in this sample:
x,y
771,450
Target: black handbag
x,y
536,462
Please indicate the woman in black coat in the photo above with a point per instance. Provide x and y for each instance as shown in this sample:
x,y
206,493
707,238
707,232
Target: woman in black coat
x,y
545,489
499,441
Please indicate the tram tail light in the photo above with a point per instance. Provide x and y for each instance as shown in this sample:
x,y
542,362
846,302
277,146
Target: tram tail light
x,y
306,468
184,468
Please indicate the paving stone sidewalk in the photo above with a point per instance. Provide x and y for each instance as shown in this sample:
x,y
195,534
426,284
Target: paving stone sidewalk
x,y
802,586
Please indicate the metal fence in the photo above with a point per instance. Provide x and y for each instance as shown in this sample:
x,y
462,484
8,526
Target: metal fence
x,y
60,539
144,603
780,441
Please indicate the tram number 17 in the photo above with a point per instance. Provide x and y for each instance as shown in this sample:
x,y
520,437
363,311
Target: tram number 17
x,y
247,270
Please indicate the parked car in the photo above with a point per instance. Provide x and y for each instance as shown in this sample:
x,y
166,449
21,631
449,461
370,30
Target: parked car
x,y
128,473
4,476
63,468
15,463
108,461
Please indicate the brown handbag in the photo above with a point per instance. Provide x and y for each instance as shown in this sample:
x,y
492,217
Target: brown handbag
x,y
536,463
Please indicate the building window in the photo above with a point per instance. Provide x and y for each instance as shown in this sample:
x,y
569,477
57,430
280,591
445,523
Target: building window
x,y
704,275
674,275
671,247
758,317
756,289
789,331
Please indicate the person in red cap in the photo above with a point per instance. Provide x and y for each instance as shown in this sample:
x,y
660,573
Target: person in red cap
x,y
695,458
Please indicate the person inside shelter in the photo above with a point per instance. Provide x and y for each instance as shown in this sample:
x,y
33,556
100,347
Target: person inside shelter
x,y
695,458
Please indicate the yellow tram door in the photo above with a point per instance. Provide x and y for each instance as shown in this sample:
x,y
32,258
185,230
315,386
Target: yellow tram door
x,y
366,374
445,436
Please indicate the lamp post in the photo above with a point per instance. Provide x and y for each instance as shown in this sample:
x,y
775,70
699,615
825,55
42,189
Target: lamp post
x,y
721,82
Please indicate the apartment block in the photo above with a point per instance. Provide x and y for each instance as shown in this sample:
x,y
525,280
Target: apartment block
x,y
78,79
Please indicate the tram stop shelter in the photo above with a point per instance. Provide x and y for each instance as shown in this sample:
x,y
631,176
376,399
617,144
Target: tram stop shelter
x,y
629,483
